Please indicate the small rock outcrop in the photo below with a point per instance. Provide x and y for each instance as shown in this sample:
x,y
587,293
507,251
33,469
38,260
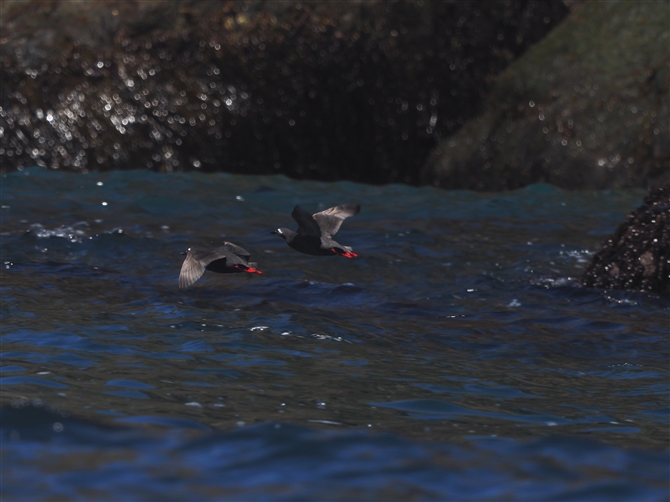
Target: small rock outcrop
x,y
637,256
587,107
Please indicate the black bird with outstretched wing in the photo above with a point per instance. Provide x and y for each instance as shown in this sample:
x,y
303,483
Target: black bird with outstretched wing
x,y
315,231
227,259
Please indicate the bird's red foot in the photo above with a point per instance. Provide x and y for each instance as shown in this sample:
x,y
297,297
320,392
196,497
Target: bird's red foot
x,y
251,270
346,254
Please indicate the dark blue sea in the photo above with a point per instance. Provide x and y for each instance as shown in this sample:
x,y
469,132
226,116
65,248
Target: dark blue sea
x,y
457,358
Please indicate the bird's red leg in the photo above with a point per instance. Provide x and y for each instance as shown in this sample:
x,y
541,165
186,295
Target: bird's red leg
x,y
251,270
346,254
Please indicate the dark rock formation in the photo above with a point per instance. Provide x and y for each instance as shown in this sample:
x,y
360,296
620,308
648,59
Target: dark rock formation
x,y
587,107
330,90
637,256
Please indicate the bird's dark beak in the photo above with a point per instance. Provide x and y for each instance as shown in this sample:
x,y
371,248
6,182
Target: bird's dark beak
x,y
184,252
274,232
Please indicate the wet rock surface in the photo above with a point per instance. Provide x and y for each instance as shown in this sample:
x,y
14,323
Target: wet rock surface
x,y
587,107
637,256
338,90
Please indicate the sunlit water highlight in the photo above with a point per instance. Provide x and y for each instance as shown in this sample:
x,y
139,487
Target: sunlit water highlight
x,y
457,357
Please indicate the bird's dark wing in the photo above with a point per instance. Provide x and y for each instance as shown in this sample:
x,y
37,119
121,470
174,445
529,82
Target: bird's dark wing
x,y
331,219
307,226
235,249
195,263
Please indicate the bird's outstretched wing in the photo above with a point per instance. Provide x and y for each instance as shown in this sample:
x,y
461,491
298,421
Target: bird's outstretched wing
x,y
307,225
195,263
330,220
236,250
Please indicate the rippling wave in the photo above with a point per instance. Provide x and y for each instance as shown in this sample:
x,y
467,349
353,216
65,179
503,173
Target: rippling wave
x,y
457,357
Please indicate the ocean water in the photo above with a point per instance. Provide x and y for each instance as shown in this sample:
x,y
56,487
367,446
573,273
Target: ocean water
x,y
456,358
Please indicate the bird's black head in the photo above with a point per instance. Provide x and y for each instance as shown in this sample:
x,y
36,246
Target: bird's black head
x,y
285,234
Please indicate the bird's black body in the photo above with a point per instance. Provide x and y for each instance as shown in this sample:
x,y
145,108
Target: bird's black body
x,y
227,259
315,231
